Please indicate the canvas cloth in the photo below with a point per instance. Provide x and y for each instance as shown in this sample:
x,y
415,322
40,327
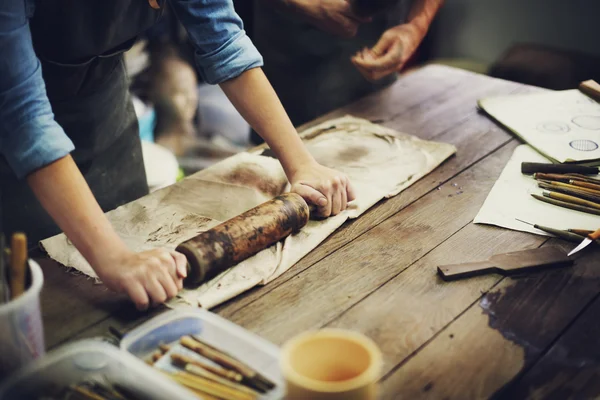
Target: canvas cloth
x,y
380,163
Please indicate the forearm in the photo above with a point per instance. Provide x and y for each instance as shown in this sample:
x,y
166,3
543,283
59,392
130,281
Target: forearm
x,y
423,12
254,98
66,196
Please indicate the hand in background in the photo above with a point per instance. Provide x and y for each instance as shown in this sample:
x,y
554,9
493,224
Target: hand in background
x,y
148,278
324,187
332,16
391,52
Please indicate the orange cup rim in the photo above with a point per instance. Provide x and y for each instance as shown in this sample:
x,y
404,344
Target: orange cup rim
x,y
368,376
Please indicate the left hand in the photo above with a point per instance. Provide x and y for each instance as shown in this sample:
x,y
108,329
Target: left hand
x,y
324,187
391,52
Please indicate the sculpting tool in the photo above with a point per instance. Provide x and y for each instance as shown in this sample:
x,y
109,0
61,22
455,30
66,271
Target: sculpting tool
x,y
573,192
571,199
18,262
584,178
508,263
590,88
564,204
529,168
591,237
581,232
569,186
570,236
587,185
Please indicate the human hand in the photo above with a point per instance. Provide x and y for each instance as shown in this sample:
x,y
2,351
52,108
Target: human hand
x,y
390,53
149,277
332,16
329,190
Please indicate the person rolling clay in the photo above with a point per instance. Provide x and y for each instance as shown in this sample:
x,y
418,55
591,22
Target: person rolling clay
x,y
70,147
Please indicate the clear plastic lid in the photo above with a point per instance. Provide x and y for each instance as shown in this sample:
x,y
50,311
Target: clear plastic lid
x,y
256,352
90,360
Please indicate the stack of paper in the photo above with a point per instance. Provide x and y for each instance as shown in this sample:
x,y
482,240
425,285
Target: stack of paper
x,y
564,126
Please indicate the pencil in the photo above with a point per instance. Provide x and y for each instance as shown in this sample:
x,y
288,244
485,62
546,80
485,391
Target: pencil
x,y
564,204
573,192
570,199
18,261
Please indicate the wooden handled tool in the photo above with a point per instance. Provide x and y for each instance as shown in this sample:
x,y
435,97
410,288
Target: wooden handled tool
x,y
18,263
594,236
591,88
238,238
509,263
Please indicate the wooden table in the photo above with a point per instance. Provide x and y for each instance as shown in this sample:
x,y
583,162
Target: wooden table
x,y
476,338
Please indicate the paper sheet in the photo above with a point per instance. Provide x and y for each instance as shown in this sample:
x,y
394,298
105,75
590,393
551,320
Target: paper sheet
x,y
379,162
563,125
510,198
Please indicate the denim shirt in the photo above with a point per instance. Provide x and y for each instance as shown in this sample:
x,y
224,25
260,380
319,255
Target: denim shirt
x,y
30,138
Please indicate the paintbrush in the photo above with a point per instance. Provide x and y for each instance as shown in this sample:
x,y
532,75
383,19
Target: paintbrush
x,y
564,204
197,371
571,199
181,359
570,236
18,262
573,192
204,385
251,377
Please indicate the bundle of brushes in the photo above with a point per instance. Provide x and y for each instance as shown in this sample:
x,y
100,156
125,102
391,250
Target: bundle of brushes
x,y
574,191
217,376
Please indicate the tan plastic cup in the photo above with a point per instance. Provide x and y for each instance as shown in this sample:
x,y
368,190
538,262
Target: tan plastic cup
x,y
331,364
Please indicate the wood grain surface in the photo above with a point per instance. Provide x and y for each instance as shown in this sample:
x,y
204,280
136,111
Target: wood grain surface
x,y
484,337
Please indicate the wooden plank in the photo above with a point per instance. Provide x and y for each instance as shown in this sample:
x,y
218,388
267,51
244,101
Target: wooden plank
x,y
570,369
474,135
420,86
333,285
411,308
85,309
475,138
498,336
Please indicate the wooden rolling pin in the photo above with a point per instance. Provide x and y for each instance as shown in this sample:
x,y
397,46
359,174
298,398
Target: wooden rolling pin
x,y
238,238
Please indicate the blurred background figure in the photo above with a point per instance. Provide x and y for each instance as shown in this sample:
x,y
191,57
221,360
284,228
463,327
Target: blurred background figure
x,y
321,55
324,54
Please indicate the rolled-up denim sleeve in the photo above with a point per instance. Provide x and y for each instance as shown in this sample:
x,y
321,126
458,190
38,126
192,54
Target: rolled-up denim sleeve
x,y
30,138
223,50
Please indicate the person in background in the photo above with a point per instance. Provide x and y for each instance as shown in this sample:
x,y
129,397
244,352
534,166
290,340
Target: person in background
x,y
69,141
323,54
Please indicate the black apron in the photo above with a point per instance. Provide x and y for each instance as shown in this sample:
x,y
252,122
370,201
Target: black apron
x,y
311,70
80,45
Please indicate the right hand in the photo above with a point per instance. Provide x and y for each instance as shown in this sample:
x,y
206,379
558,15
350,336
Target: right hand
x,y
332,16
149,277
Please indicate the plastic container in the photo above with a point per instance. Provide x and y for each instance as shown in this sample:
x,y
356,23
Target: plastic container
x,y
226,336
21,328
90,360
